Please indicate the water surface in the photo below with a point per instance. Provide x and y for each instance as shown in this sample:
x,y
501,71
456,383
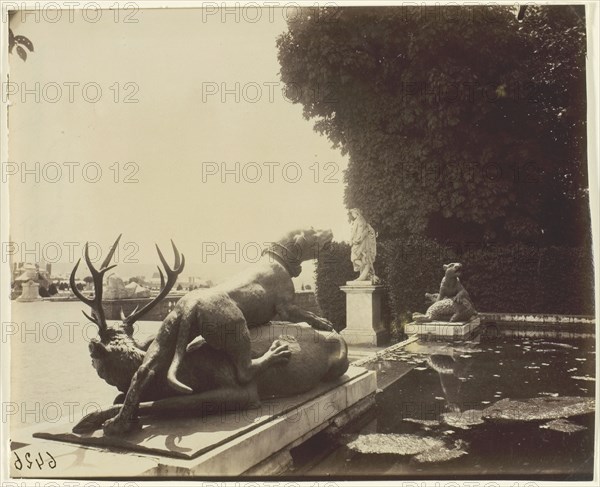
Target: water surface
x,y
461,380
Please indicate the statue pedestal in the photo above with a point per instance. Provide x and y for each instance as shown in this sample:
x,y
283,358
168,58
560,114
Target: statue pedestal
x,y
241,442
444,329
363,314
31,292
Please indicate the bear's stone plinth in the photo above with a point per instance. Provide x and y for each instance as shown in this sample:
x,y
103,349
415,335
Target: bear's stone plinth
x,y
444,329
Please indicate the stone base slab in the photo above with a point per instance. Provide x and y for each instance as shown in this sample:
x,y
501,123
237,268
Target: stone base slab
x,y
359,337
443,329
366,284
228,444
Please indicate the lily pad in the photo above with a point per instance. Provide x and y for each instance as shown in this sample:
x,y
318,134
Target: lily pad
x,y
463,419
539,408
563,426
394,444
438,455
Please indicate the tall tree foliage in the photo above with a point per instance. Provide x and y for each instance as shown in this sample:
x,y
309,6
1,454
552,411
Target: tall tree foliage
x,y
460,122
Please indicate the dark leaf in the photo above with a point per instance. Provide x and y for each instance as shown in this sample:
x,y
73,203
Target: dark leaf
x,y
25,42
11,40
22,53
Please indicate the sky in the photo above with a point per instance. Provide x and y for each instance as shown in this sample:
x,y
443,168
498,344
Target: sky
x,y
164,107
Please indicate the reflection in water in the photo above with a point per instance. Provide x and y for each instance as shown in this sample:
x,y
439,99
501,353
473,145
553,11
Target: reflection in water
x,y
449,370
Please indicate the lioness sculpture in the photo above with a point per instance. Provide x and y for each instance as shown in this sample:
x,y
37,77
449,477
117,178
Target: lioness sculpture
x,y
452,303
204,352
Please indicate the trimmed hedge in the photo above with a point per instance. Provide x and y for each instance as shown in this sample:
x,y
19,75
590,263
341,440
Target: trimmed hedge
x,y
333,269
515,278
533,280
412,268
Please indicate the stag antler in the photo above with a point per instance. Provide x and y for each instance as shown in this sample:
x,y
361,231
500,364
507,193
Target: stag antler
x,y
95,303
165,288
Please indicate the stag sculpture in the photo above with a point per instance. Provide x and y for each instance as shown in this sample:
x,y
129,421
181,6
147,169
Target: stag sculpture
x,y
203,353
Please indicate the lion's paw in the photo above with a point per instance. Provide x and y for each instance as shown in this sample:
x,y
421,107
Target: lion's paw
x,y
119,427
279,351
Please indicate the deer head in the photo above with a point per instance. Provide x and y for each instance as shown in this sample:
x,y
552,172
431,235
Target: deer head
x,y
115,354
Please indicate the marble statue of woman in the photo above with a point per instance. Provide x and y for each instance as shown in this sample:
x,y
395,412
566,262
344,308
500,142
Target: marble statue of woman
x,y
363,247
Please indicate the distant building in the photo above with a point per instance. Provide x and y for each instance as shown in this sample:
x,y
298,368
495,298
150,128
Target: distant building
x,y
23,272
141,280
186,282
198,282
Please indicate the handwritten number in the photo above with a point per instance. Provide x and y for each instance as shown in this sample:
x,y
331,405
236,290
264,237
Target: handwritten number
x,y
28,460
18,462
39,461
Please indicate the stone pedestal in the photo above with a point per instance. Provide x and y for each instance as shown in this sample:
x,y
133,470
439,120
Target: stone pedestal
x,y
364,325
444,329
222,444
31,292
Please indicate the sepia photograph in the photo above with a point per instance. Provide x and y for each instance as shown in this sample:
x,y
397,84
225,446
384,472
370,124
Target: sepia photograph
x,y
299,243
